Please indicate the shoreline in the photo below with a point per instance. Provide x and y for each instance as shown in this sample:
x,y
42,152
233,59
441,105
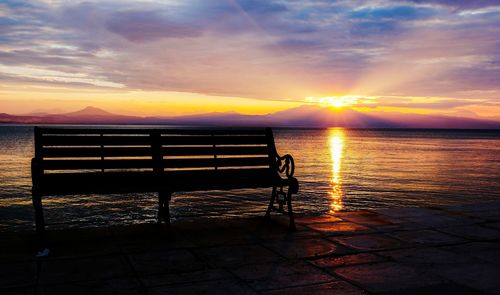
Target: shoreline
x,y
75,222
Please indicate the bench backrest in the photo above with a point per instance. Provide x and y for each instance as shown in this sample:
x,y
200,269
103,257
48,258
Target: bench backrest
x,y
134,149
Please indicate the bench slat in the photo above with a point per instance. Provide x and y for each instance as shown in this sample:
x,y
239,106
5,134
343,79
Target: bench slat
x,y
213,131
146,163
82,152
210,140
74,140
216,162
218,150
95,164
62,131
92,131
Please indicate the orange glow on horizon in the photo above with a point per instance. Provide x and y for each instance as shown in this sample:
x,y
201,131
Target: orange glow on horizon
x,y
135,103
56,99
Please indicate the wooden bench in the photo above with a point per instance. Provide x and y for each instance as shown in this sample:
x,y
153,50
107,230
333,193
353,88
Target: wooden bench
x,y
72,161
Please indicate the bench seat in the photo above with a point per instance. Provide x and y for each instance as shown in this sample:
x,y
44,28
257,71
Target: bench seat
x,y
97,183
172,181
226,179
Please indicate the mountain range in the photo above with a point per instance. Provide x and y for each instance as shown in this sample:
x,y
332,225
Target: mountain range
x,y
306,116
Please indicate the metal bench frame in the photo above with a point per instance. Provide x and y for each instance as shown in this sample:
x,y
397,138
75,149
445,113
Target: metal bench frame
x,y
59,150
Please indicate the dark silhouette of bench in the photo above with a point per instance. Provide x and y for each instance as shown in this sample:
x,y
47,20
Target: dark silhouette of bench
x,y
72,161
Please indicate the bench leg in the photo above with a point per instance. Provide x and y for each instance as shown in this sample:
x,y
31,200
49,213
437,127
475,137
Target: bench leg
x,y
160,208
164,208
290,210
166,212
271,203
40,225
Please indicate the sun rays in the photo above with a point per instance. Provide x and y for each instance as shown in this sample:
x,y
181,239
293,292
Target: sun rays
x,y
336,102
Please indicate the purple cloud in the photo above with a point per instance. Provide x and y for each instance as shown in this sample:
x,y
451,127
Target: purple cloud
x,y
143,26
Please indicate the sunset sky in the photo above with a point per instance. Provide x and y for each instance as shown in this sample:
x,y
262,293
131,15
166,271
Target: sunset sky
x,y
194,56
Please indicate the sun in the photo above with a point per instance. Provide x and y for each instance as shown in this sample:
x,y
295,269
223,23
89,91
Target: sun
x,y
336,102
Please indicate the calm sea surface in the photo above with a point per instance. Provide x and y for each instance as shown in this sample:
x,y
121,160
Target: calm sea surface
x,y
338,169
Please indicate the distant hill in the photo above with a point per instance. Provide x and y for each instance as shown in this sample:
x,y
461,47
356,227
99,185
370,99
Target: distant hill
x,y
90,112
303,116
88,115
314,116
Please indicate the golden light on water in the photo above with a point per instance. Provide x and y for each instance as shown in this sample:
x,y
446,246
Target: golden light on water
x,y
336,141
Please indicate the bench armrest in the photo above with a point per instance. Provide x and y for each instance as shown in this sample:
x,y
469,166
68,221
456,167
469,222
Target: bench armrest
x,y
285,164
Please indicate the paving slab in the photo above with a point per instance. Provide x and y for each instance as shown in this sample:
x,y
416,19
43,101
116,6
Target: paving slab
x,y
220,236
330,263
427,257
338,228
229,287
400,226
281,275
317,219
370,242
284,233
442,219
57,271
76,248
401,212
472,247
426,237
386,276
439,289
193,277
305,248
472,232
478,276
18,291
491,256
229,256
15,274
125,286
165,262
70,235
339,287
488,252
154,244
366,218
17,247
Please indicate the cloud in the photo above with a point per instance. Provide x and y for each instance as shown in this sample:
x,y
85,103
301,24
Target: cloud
x,y
420,103
392,13
370,28
460,5
260,49
30,57
143,26
261,7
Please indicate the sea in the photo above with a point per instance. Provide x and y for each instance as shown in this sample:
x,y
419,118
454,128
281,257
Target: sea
x,y
338,170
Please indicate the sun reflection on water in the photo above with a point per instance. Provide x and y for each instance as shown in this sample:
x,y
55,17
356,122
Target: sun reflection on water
x,y
336,140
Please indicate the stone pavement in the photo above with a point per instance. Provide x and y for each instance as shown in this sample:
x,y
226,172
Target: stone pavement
x,y
449,250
